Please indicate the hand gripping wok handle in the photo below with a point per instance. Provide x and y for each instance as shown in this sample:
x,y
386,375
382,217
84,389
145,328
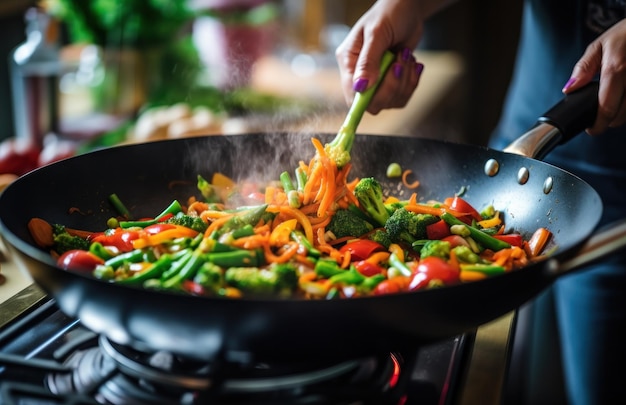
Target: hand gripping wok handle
x,y
566,119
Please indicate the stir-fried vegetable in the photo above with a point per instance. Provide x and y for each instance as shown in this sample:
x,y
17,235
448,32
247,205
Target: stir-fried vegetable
x,y
322,237
317,235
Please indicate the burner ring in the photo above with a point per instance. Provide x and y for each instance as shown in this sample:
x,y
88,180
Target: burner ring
x,y
131,365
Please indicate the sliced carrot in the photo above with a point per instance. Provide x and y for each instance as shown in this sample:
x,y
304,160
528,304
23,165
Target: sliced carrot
x,y
538,241
405,179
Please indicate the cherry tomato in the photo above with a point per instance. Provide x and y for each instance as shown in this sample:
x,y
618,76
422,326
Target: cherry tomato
x,y
368,269
455,240
393,285
361,249
438,230
433,269
460,205
513,239
120,238
193,288
79,260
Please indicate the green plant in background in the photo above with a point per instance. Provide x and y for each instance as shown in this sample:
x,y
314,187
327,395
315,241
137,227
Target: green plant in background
x,y
122,23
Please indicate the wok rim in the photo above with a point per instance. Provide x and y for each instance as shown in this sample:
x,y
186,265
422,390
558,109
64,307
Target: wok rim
x,y
45,258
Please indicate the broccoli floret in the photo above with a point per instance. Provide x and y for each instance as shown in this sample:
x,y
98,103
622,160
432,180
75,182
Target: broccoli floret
x,y
195,223
381,236
369,193
63,241
275,280
406,226
210,276
438,248
346,223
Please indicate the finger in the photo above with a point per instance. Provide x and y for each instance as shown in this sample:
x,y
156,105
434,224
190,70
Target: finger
x,y
586,68
347,54
398,85
610,99
367,67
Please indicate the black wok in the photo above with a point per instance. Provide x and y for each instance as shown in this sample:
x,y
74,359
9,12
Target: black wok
x,y
214,328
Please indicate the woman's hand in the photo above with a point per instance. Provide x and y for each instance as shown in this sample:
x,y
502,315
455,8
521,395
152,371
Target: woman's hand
x,y
394,25
607,56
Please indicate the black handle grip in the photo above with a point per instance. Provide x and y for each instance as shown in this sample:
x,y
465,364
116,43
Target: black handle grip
x,y
575,112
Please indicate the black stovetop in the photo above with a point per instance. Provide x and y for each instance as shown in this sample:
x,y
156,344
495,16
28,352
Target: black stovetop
x,y
38,365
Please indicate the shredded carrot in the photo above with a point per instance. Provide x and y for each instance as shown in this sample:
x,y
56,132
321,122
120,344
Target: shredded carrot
x,y
218,222
405,177
454,261
339,241
197,207
321,223
284,256
251,242
429,209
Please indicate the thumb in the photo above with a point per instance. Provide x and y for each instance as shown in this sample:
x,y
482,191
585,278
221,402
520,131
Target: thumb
x,y
367,67
585,69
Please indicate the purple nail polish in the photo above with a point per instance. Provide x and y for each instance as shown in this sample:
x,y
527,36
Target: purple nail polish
x,y
419,68
406,54
397,70
360,84
569,83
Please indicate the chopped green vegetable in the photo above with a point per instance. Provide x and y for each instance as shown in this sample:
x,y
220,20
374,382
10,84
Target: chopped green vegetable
x,y
369,193
394,170
339,148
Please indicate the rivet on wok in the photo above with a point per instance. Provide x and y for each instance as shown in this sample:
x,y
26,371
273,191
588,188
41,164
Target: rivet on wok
x,y
547,185
522,175
492,167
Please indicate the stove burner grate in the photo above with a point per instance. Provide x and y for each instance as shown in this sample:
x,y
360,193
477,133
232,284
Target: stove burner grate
x,y
117,374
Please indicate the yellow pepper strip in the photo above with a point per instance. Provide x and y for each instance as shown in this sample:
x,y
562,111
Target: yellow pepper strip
x,y
391,200
221,180
468,275
378,257
297,214
397,249
165,236
281,234
491,222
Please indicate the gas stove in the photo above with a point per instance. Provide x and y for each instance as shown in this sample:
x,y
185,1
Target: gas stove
x,y
47,357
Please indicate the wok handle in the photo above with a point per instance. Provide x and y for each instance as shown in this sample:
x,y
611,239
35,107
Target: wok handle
x,y
566,119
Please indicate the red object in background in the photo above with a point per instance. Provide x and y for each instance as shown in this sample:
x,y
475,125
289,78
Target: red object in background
x,y
18,156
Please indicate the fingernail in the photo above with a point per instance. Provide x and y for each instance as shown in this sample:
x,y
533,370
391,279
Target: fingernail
x,y
360,85
406,54
397,70
419,68
569,83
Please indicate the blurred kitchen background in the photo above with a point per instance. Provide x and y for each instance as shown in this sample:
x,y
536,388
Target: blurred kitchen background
x,y
78,75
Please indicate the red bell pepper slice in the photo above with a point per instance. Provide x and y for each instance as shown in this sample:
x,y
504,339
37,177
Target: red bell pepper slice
x,y
459,204
368,269
513,239
361,249
438,230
